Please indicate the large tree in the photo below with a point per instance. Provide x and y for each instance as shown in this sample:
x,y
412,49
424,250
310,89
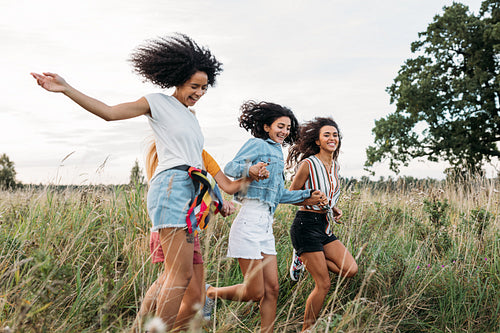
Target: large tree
x,y
7,173
447,96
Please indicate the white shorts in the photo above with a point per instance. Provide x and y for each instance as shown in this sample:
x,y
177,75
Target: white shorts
x,y
251,234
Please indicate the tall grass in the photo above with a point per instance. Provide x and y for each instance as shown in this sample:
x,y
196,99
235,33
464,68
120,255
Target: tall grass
x,y
429,261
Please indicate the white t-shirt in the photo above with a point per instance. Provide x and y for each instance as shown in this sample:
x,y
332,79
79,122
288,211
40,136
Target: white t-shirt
x,y
177,133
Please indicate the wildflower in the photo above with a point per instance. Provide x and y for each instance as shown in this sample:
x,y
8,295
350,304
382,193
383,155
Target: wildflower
x,y
485,259
155,325
442,265
418,267
429,265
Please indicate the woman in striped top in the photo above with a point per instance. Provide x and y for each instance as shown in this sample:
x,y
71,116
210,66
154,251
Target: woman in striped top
x,y
315,246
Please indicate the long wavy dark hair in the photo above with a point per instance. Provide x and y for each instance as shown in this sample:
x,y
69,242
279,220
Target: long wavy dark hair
x,y
305,145
254,115
170,61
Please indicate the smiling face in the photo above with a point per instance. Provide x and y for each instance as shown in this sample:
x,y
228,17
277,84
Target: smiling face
x,y
279,129
328,139
191,91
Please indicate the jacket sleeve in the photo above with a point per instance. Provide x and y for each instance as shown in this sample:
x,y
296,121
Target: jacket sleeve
x,y
291,197
238,167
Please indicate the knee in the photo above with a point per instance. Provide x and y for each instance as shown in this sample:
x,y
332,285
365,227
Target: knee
x,y
323,285
272,291
352,271
254,293
256,296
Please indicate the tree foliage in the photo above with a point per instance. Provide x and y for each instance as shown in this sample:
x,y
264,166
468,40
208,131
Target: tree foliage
x,y
136,176
446,97
7,173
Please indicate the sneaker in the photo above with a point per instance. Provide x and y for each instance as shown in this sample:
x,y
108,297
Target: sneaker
x,y
296,268
209,305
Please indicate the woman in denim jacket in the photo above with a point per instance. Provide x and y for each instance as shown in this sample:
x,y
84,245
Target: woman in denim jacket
x,y
251,238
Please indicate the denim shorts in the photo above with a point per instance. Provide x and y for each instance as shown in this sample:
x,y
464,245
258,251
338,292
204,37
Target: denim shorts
x,y
252,231
308,232
169,196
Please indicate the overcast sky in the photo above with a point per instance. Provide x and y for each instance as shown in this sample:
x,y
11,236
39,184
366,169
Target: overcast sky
x,y
320,58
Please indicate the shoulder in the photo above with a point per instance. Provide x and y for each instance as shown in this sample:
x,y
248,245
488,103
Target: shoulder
x,y
255,143
300,176
153,96
309,159
308,162
163,99
303,166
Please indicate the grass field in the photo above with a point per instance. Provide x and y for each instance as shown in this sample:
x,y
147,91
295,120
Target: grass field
x,y
429,261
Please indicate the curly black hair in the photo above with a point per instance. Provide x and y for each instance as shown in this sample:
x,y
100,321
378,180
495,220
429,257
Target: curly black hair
x,y
254,115
306,143
170,61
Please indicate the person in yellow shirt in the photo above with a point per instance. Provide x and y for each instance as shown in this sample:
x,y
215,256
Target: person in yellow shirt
x,y
195,293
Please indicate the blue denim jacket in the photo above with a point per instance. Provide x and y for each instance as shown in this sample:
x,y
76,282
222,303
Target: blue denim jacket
x,y
271,190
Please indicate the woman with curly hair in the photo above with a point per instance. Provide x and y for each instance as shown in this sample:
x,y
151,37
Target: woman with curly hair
x,y
174,61
251,238
315,247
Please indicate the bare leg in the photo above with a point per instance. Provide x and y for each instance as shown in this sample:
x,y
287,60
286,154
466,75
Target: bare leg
x,y
193,299
148,304
316,265
269,302
252,288
339,260
177,245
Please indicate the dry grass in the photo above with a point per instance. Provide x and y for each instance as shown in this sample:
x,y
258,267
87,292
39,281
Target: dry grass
x,y
78,260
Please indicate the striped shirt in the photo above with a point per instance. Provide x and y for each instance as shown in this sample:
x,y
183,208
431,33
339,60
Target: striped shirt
x,y
320,179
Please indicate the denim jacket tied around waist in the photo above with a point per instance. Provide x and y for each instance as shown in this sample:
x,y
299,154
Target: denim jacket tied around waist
x,y
271,190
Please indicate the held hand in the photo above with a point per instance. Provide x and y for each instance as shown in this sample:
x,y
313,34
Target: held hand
x,y
337,213
317,198
258,171
227,208
322,199
50,81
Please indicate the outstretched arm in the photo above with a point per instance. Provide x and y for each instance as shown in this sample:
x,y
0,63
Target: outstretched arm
x,y
55,83
230,186
257,172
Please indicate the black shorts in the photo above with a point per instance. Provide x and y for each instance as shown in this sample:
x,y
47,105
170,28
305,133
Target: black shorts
x,y
308,232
